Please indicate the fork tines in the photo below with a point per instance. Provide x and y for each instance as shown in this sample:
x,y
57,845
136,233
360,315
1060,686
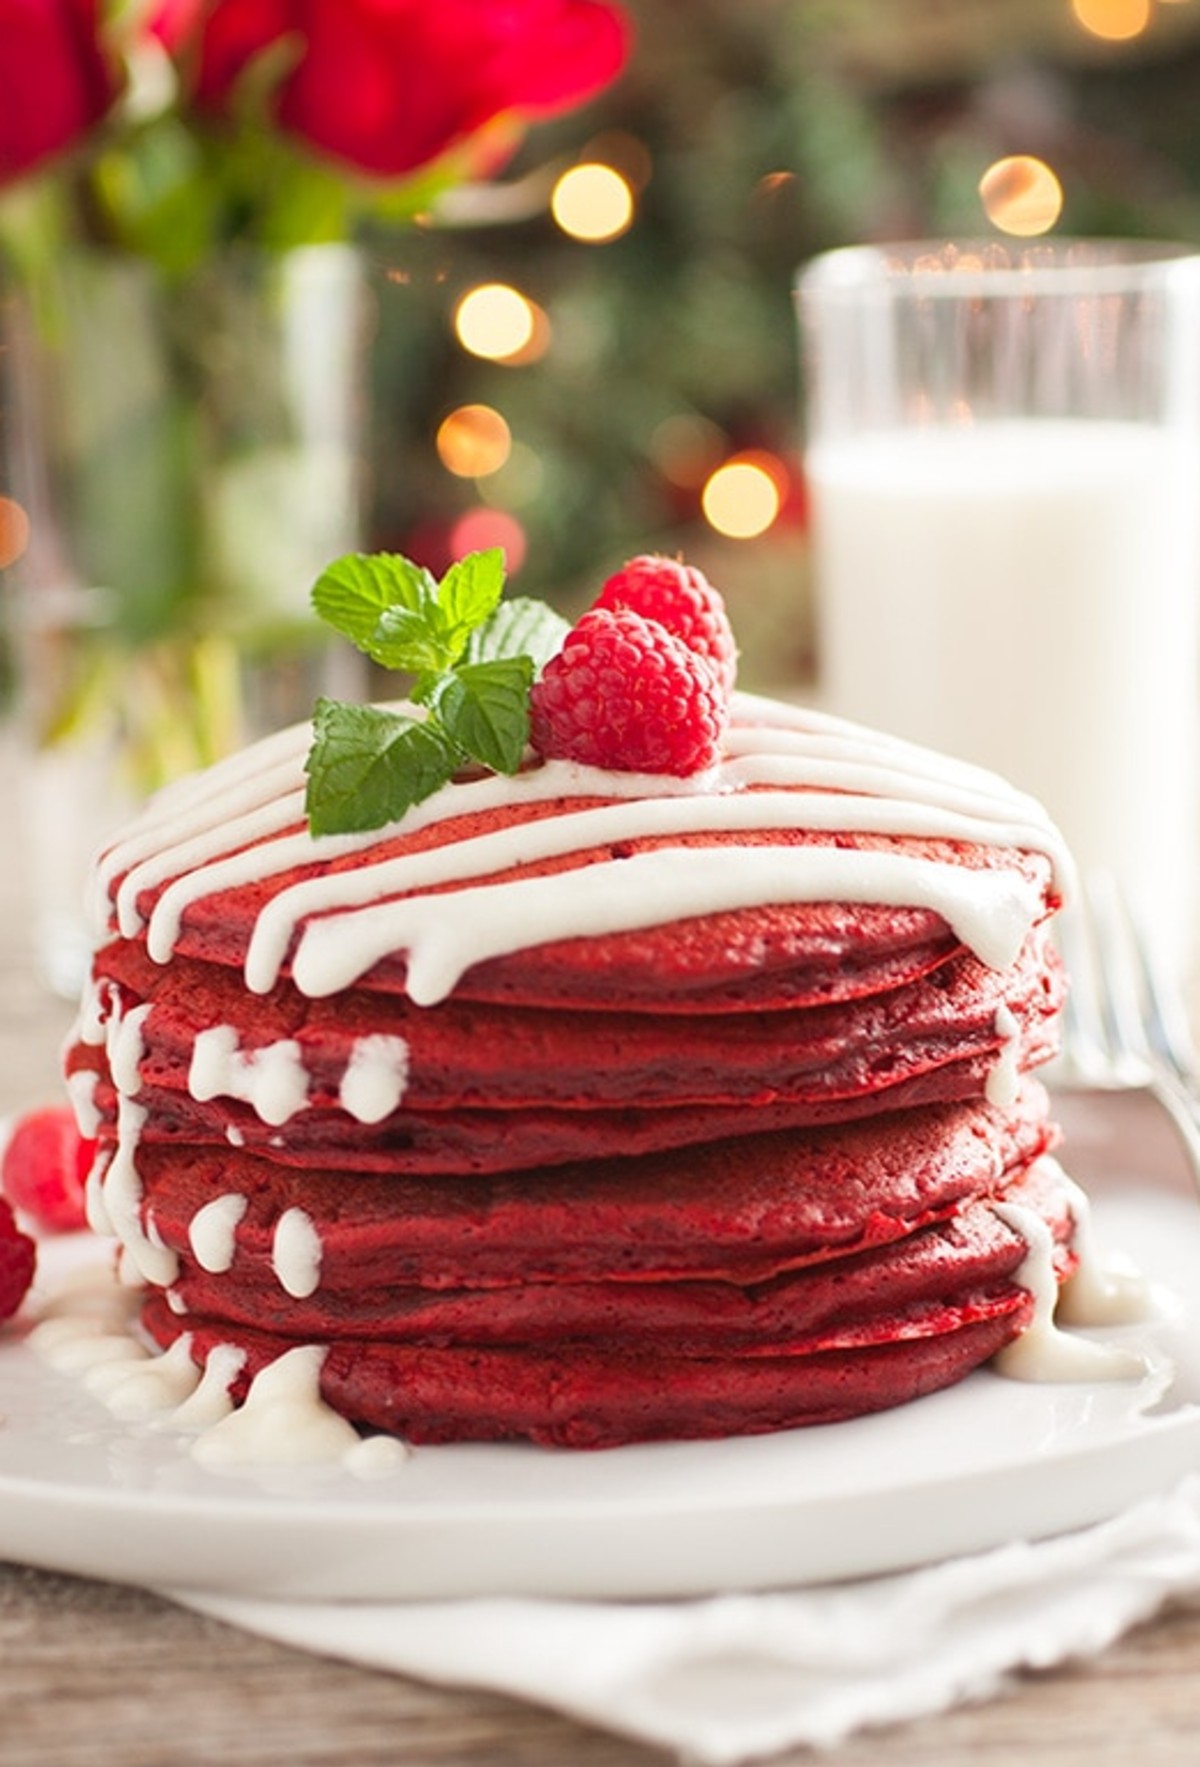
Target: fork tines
x,y
1124,1018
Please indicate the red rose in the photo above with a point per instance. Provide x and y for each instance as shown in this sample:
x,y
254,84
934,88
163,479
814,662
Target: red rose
x,y
55,81
389,85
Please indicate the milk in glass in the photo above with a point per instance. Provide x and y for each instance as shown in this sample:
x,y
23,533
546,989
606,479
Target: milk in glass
x,y
1024,593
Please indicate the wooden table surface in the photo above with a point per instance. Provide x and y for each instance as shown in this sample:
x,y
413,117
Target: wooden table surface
x,y
102,1676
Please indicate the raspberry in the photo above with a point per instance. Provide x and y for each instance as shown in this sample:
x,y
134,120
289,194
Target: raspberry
x,y
624,693
17,1258
45,1168
682,599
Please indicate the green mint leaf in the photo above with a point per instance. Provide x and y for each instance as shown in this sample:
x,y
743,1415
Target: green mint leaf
x,y
434,635
519,627
473,658
484,709
353,592
471,590
426,688
414,641
367,766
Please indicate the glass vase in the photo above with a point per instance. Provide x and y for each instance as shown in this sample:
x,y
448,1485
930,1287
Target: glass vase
x,y
183,455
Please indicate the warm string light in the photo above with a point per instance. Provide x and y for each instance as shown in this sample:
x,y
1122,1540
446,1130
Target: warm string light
x,y
745,494
1116,21
1021,195
593,203
473,441
14,531
500,324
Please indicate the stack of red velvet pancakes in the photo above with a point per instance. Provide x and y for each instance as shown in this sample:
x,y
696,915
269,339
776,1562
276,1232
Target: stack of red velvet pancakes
x,y
584,1105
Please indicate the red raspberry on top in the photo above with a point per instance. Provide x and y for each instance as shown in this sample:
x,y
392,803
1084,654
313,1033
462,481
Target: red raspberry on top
x,y
682,599
624,693
45,1167
17,1259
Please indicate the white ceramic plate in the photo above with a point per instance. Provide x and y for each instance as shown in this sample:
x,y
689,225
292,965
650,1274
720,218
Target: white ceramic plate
x,y
987,1461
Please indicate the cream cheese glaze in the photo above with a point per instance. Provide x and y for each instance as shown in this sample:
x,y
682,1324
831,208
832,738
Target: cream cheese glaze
x,y
1044,1351
242,822
283,1421
271,1080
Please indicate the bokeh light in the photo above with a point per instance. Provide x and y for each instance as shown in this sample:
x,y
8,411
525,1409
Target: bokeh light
x,y
593,203
14,531
473,440
478,529
499,323
1114,20
1021,195
685,448
744,496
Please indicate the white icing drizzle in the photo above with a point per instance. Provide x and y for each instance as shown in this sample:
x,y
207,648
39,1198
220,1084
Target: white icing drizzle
x,y
80,1346
86,1329
296,1253
271,1080
374,1457
121,1197
990,911
128,1272
283,1420
1044,1352
1004,1079
175,811
81,1091
210,1401
242,822
1105,1288
98,1218
375,1078
125,1046
211,1232
89,1026
147,1386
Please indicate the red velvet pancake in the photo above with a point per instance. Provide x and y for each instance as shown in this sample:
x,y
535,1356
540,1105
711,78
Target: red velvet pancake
x,y
696,1126
584,1364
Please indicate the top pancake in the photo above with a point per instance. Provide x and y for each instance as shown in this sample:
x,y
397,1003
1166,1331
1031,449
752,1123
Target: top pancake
x,y
817,863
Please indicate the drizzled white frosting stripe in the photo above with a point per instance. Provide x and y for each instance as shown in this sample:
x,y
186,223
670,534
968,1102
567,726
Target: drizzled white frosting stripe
x,y
808,772
990,911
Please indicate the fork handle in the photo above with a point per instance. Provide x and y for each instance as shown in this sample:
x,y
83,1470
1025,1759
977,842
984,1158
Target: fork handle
x,y
1183,1106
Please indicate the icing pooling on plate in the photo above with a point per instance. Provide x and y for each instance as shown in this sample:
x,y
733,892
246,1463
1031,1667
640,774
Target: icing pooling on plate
x,y
241,823
87,1329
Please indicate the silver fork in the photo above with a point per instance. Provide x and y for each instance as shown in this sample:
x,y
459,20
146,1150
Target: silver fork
x,y
1124,1022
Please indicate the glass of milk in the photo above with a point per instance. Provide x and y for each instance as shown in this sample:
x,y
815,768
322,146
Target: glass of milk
x,y
1003,452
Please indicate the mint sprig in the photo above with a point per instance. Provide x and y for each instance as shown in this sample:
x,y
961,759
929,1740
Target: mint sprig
x,y
472,657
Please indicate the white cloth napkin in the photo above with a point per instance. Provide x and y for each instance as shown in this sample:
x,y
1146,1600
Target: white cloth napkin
x,y
734,1678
